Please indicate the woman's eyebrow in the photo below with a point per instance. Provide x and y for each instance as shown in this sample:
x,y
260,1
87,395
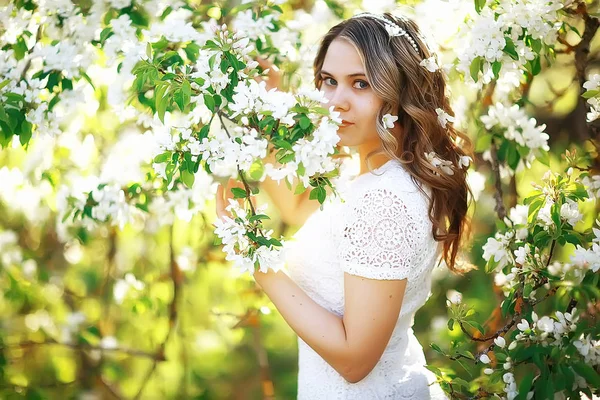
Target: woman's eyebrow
x,y
350,75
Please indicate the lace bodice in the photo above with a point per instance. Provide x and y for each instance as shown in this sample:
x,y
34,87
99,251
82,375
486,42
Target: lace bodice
x,y
380,230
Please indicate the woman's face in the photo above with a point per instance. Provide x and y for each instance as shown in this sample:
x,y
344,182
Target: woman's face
x,y
350,93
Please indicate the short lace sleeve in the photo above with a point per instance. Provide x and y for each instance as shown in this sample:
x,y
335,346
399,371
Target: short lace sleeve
x,y
380,235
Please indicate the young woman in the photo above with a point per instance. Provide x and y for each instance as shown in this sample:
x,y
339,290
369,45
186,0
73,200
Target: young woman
x,y
358,270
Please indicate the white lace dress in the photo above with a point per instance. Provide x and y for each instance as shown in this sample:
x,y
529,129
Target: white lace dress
x,y
381,231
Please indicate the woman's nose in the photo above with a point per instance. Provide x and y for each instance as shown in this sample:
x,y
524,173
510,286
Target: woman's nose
x,y
338,98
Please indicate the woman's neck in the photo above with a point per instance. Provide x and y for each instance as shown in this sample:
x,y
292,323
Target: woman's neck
x,y
375,161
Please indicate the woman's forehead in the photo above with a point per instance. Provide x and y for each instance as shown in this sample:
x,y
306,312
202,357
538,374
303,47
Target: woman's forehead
x,y
342,58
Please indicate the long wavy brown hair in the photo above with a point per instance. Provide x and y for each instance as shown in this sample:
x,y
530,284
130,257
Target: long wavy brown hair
x,y
412,93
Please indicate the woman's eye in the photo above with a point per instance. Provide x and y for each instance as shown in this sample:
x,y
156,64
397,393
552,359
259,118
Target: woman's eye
x,y
329,81
361,85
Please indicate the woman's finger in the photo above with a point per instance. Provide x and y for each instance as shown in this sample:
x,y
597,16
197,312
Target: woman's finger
x,y
273,75
220,203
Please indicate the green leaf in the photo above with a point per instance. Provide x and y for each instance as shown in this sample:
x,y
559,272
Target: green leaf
x,y
3,84
573,237
209,101
555,214
536,45
304,122
318,193
512,156
536,66
477,326
510,48
285,157
88,79
590,93
3,116
149,50
460,382
283,144
588,373
276,242
257,170
507,306
20,48
26,131
436,348
258,217
451,324
182,95
529,199
299,189
496,67
476,66
203,132
161,158
188,178
525,385
239,193
479,4
162,106
67,84
544,157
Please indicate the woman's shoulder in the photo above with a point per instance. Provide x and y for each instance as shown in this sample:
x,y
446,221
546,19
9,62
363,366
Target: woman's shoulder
x,y
392,177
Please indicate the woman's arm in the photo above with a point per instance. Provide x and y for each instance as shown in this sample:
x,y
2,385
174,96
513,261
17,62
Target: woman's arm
x,y
352,344
293,209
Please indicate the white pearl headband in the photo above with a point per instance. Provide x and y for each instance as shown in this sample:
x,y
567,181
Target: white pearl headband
x,y
392,28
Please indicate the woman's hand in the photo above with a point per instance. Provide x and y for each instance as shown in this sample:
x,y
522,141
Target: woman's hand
x,y
224,194
273,76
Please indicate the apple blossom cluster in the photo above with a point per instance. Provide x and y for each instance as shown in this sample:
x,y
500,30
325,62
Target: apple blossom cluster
x,y
31,69
264,28
507,36
589,349
515,258
246,250
126,285
513,124
546,330
9,249
225,153
312,154
588,259
104,203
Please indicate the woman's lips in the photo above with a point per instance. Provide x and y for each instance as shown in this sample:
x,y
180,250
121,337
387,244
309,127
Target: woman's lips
x,y
345,124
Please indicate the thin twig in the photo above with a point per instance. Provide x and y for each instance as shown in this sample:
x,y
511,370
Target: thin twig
x,y
177,279
79,347
498,196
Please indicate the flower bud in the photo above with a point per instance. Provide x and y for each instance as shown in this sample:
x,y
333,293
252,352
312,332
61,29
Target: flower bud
x,y
454,297
488,371
500,342
484,359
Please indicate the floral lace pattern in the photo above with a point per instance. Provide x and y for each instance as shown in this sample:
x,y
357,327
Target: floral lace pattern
x,y
381,231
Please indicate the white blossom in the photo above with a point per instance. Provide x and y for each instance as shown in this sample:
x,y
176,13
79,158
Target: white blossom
x,y
500,342
239,250
124,286
436,162
443,117
388,120
521,254
523,325
569,211
517,126
454,297
430,64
